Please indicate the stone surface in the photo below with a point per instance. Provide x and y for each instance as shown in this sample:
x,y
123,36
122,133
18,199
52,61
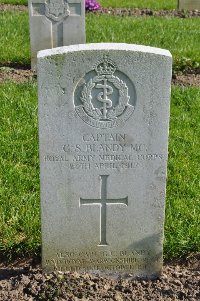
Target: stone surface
x,y
55,23
103,127
189,4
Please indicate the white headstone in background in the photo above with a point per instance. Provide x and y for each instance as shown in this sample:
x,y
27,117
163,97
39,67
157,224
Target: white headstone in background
x,y
103,126
189,4
55,23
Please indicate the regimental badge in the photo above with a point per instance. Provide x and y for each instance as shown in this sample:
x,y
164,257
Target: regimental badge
x,y
56,10
104,98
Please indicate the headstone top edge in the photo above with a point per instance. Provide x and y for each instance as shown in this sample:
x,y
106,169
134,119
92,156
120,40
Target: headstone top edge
x,y
103,46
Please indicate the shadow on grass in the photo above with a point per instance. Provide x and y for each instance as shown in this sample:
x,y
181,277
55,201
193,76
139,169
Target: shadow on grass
x,y
21,267
16,65
15,262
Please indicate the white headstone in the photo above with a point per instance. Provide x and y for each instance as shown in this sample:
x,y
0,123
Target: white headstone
x,y
103,127
189,4
55,23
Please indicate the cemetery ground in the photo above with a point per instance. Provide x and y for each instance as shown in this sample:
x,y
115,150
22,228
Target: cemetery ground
x,y
20,241
161,4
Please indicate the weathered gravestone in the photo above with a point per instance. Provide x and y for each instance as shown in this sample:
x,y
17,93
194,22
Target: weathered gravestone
x,y
103,119
189,4
55,23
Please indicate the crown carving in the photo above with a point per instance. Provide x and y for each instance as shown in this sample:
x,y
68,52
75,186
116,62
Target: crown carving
x,y
106,67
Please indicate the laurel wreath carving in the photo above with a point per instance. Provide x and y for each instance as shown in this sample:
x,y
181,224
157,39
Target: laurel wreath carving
x,y
86,97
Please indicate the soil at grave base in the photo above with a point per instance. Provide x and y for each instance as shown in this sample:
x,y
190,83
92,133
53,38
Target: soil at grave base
x,y
24,281
186,80
25,75
149,12
17,75
10,7
122,11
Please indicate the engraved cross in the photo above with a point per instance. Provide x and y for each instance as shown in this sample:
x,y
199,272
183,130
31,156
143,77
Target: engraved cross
x,y
71,7
103,201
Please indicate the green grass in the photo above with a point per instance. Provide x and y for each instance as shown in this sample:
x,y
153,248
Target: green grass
x,y
180,36
14,38
19,176
183,187
153,4
19,173
20,2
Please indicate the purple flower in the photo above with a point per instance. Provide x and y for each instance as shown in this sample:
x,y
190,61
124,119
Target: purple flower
x,y
91,5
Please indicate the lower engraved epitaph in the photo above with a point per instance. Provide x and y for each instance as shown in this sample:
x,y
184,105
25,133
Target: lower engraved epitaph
x,y
103,201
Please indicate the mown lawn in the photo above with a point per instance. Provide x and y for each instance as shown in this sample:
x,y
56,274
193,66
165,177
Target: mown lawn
x,y
19,176
14,38
16,2
182,226
180,36
153,4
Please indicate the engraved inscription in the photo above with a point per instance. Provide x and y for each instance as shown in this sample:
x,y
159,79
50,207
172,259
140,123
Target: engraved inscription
x,y
104,151
112,105
103,201
105,137
135,268
129,260
107,253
